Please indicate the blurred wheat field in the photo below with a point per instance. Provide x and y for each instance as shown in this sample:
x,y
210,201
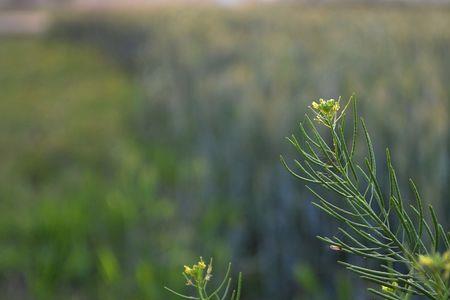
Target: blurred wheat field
x,y
132,143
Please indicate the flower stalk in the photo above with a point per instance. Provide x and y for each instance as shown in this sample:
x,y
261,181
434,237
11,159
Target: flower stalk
x,y
375,224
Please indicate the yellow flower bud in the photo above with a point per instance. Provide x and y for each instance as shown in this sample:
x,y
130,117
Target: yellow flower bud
x,y
188,271
201,264
426,261
446,256
388,289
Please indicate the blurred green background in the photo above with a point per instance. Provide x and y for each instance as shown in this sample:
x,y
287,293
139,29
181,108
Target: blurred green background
x,y
132,142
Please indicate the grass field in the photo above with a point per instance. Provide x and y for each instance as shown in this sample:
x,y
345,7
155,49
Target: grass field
x,y
130,145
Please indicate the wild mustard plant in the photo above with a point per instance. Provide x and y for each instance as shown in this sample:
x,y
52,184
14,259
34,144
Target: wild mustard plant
x,y
404,249
198,276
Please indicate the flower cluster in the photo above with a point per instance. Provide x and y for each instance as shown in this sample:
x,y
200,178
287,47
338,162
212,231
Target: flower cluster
x,y
199,275
326,110
196,273
436,262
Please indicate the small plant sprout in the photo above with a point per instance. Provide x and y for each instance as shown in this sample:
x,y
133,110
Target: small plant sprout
x,y
405,253
198,276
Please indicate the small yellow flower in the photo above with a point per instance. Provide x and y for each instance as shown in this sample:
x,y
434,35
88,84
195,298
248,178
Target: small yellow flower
x,y
388,289
188,270
446,256
336,106
201,264
426,261
446,263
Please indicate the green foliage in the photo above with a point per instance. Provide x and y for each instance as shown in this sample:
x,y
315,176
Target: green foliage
x,y
76,193
376,225
192,160
307,278
221,87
